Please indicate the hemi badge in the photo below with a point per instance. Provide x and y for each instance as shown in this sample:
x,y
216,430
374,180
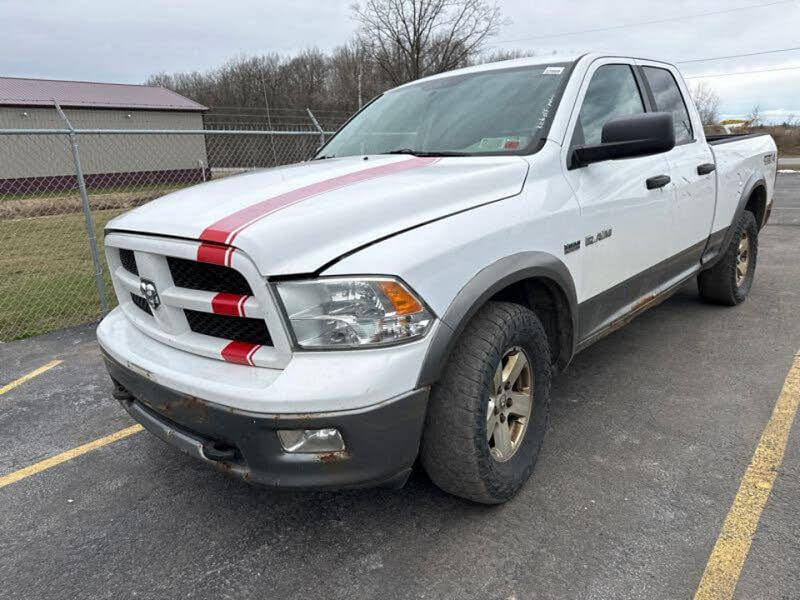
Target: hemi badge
x,y
572,246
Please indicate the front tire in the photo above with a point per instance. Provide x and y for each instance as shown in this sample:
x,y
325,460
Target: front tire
x,y
488,415
729,281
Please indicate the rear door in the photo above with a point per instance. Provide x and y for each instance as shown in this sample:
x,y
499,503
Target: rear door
x,y
625,225
691,167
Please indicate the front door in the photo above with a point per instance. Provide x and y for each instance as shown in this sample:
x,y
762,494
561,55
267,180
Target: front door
x,y
625,225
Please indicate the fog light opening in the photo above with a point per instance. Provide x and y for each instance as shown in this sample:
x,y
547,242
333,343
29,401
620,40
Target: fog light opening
x,y
311,441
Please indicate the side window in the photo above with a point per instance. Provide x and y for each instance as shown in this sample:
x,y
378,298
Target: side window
x,y
668,98
612,93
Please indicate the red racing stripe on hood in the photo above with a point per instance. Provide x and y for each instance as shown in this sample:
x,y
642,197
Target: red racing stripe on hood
x,y
225,230
216,254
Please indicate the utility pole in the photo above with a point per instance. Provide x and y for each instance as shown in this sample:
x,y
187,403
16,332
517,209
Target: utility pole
x,y
360,70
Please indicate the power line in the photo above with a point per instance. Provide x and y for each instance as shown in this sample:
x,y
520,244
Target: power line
x,y
742,72
694,60
668,20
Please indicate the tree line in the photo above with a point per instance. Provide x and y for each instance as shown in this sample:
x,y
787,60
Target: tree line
x,y
396,41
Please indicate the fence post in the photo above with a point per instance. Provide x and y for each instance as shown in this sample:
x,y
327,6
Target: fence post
x,y
316,124
87,214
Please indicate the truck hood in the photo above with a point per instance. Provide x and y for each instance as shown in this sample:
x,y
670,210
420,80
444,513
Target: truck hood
x,y
296,219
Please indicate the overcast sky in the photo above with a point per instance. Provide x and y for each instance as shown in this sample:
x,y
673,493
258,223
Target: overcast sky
x,y
127,40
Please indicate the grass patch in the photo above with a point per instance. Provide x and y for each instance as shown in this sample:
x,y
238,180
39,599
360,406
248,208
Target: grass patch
x,y
134,188
46,274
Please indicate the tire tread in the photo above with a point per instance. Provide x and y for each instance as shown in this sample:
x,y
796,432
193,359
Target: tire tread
x,y
718,284
451,446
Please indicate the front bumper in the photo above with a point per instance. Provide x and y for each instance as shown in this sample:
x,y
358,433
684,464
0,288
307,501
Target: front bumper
x,y
381,441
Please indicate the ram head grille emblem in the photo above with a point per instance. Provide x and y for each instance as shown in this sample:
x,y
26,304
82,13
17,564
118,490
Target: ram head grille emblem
x,y
150,293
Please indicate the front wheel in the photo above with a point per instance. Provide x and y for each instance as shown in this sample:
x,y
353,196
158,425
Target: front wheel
x,y
729,281
488,415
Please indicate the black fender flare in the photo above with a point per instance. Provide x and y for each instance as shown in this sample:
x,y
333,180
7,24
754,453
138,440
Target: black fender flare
x,y
713,254
478,290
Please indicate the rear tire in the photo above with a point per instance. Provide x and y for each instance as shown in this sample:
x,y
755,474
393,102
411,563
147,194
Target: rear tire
x,y
502,358
729,281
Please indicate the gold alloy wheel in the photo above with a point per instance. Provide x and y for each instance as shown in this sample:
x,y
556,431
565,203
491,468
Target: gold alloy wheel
x,y
510,404
742,258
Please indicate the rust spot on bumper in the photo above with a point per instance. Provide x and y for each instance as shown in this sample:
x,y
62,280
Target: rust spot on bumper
x,y
184,405
332,457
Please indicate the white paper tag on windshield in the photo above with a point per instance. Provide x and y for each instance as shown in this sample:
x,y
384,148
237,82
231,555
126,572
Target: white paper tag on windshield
x,y
553,71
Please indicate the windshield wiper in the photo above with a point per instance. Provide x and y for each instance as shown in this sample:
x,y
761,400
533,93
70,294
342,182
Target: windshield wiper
x,y
421,153
324,156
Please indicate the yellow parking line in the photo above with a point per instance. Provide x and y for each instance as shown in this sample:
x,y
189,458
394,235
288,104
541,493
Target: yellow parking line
x,y
68,455
18,382
727,558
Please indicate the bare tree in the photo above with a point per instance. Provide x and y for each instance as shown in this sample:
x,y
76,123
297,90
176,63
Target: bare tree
x,y
500,55
354,78
409,39
754,117
707,102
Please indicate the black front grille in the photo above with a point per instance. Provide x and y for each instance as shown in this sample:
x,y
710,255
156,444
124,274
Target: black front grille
x,y
210,278
141,303
128,261
240,329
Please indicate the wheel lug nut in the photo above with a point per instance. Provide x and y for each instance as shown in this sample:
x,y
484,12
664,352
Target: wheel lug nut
x,y
509,402
502,418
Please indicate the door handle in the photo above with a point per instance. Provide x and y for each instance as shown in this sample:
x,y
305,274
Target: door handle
x,y
705,168
658,181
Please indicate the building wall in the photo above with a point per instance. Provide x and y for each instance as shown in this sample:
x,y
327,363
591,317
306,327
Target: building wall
x,y
38,156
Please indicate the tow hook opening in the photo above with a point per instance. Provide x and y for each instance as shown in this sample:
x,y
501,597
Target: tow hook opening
x,y
119,392
218,451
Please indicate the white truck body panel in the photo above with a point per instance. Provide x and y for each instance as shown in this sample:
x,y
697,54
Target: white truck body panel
x,y
313,382
305,235
737,163
439,258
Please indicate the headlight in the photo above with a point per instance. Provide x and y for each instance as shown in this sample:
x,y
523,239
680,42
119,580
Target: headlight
x,y
353,313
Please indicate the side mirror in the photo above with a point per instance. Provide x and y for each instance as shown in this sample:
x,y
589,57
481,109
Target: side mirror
x,y
640,135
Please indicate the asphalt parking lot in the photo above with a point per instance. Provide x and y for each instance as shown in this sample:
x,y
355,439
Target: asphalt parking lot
x,y
652,431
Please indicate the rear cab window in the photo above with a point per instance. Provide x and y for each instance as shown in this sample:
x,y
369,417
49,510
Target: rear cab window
x,y
667,97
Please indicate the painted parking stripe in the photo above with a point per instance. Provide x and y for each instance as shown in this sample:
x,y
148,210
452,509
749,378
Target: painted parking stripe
x,y
18,382
225,230
730,551
53,461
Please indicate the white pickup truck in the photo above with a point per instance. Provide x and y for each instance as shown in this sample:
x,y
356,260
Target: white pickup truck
x,y
411,291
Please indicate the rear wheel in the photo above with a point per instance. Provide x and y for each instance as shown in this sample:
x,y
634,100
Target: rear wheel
x,y
488,415
729,281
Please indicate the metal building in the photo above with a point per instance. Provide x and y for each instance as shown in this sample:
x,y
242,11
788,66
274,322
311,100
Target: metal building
x,y
44,162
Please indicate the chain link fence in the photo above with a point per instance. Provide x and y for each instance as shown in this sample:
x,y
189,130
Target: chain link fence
x,y
59,187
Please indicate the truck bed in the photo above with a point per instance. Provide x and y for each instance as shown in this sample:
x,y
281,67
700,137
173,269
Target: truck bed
x,y
715,140
752,157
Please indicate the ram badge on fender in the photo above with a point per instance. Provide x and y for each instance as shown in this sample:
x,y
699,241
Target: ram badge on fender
x,y
413,294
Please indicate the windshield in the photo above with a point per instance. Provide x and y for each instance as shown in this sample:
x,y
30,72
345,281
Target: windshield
x,y
503,111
